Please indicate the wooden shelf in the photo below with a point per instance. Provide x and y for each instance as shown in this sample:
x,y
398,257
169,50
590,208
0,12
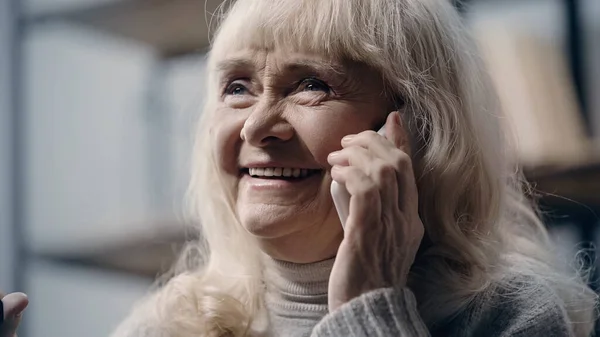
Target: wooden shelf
x,y
173,27
564,185
147,255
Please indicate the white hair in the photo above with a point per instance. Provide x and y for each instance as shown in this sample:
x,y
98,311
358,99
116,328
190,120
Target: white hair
x,y
473,202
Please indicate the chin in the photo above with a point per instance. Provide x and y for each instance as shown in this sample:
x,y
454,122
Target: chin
x,y
272,221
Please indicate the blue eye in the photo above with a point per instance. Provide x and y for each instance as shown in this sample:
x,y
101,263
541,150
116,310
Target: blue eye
x,y
313,84
236,89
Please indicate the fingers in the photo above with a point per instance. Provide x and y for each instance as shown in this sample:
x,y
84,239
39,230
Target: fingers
x,y
13,306
9,327
365,203
381,172
390,150
396,133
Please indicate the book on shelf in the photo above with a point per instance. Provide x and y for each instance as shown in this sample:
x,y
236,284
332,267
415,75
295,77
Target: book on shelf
x,y
537,96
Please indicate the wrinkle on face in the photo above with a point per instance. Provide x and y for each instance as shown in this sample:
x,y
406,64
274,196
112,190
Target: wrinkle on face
x,y
349,79
276,101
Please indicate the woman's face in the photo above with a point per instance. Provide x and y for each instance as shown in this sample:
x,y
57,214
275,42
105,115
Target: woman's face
x,y
279,115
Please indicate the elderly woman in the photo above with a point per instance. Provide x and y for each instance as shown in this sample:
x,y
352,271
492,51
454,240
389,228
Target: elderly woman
x,y
439,240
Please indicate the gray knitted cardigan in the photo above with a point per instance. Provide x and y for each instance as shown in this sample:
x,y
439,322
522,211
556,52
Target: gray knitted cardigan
x,y
297,303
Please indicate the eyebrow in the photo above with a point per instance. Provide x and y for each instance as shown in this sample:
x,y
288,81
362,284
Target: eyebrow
x,y
294,65
319,66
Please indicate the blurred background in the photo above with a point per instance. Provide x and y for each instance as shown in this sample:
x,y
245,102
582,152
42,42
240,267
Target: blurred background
x,y
98,101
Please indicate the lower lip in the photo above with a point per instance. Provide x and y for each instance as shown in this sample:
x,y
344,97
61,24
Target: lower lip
x,y
275,184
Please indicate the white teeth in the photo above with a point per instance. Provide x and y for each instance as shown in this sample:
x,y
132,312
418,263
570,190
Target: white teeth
x,y
278,172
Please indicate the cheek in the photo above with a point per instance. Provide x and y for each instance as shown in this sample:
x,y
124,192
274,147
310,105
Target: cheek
x,y
322,141
323,131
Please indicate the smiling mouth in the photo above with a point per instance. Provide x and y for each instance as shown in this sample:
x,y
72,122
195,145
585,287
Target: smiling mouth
x,y
285,173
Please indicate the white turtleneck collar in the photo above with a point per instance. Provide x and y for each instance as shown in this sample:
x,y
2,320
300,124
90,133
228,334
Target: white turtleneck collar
x,y
296,295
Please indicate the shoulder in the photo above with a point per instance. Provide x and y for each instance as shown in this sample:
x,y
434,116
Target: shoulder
x,y
517,305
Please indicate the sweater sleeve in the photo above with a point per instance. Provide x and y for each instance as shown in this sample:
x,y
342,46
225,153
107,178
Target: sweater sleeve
x,y
382,312
547,320
538,315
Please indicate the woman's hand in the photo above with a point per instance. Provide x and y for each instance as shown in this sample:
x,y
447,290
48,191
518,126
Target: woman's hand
x,y
383,231
12,308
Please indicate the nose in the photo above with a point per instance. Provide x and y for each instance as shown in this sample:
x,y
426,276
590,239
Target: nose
x,y
266,126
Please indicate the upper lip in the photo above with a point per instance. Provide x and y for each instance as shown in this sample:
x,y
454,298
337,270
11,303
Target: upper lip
x,y
266,164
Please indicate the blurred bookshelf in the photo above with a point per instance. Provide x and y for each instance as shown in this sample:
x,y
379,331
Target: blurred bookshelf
x,y
556,153
542,113
172,27
546,107
147,254
567,186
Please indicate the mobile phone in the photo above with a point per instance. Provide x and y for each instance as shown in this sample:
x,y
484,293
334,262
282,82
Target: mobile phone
x,y
341,197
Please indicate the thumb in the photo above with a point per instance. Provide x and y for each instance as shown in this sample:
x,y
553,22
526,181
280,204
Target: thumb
x,y
396,132
13,306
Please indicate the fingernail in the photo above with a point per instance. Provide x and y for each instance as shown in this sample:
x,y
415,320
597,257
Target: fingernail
x,y
334,154
347,138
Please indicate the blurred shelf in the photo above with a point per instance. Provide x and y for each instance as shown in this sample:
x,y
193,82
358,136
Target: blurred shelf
x,y
147,255
173,27
151,254
568,185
